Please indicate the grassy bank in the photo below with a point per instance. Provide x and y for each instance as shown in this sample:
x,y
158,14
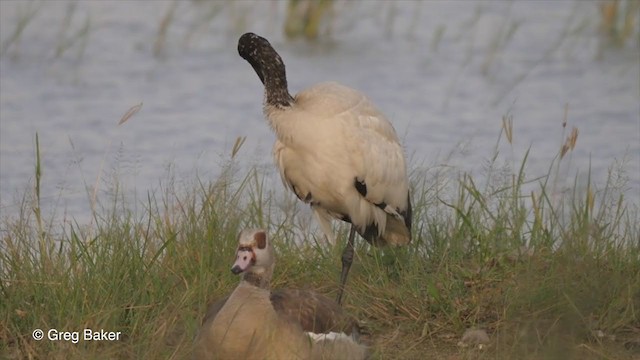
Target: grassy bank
x,y
548,275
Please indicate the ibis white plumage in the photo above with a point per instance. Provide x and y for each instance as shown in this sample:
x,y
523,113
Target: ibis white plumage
x,y
337,152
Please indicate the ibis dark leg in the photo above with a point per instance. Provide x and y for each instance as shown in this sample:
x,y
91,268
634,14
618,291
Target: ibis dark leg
x,y
347,259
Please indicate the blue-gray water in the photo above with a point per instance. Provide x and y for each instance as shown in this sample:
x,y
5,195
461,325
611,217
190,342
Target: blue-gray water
x,y
445,73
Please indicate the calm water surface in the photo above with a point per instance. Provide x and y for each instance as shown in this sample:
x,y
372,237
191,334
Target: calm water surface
x,y
445,73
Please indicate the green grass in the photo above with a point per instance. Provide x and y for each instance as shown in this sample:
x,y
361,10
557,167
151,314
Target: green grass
x,y
547,276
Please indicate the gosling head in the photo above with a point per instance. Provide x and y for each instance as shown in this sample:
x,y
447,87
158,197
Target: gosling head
x,y
254,253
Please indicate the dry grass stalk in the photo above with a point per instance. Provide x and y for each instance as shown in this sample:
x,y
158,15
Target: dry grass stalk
x,y
570,142
132,111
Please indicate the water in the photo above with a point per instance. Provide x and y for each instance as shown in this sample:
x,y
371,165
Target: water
x,y
445,73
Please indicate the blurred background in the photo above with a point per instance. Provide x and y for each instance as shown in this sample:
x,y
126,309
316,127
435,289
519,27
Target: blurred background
x,y
126,95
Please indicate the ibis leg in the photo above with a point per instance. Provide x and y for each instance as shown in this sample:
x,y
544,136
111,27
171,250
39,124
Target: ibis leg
x,y
347,259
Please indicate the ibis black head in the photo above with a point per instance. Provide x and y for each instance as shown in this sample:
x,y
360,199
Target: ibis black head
x,y
257,51
268,65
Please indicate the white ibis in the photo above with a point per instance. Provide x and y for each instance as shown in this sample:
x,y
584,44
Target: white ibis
x,y
337,152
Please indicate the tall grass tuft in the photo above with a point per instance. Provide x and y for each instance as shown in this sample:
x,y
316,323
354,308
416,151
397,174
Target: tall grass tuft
x,y
65,40
305,17
25,15
619,21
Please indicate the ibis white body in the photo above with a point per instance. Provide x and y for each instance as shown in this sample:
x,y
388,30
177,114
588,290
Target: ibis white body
x,y
336,151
